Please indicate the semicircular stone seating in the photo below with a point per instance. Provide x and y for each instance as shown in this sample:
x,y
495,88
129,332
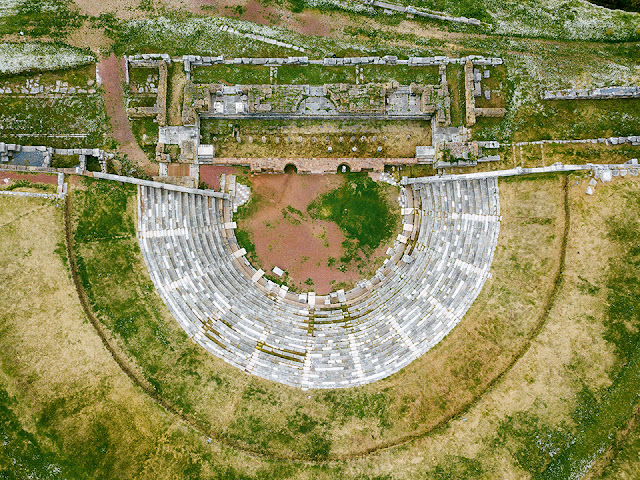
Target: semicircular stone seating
x,y
435,271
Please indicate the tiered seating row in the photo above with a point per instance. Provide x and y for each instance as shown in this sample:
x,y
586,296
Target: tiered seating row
x,y
324,346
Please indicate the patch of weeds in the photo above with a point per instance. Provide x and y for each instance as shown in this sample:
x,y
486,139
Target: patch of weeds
x,y
61,251
51,18
359,405
360,209
539,221
129,168
248,209
297,6
21,183
146,5
586,287
102,210
532,444
289,216
250,428
49,412
301,423
457,468
319,446
124,318
20,448
65,161
245,241
255,392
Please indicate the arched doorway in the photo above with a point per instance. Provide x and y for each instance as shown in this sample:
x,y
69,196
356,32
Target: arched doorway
x,y
290,168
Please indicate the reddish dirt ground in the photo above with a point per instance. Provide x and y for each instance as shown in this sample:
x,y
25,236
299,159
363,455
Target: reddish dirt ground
x,y
210,174
76,180
112,73
300,246
314,23
306,23
33,178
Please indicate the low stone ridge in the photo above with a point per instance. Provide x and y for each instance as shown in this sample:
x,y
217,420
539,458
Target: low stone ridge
x,y
409,10
437,268
592,94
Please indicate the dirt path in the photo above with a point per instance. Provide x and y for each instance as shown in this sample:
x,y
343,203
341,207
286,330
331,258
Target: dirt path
x,y
112,73
6,178
177,80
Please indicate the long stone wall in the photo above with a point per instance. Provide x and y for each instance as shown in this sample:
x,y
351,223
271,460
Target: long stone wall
x,y
12,193
160,185
315,165
393,7
556,167
592,94
632,139
205,61
470,101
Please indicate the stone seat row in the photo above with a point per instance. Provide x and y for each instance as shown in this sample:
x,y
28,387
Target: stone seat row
x,y
190,259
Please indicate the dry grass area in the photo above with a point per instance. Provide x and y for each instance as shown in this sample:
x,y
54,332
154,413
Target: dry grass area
x,y
577,154
125,9
81,412
518,427
175,93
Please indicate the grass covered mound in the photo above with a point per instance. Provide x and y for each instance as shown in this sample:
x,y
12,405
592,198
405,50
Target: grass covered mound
x,y
362,210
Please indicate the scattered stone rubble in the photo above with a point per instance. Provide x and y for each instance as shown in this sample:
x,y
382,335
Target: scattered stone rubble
x,y
159,110
473,89
33,88
149,87
43,155
632,139
261,38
